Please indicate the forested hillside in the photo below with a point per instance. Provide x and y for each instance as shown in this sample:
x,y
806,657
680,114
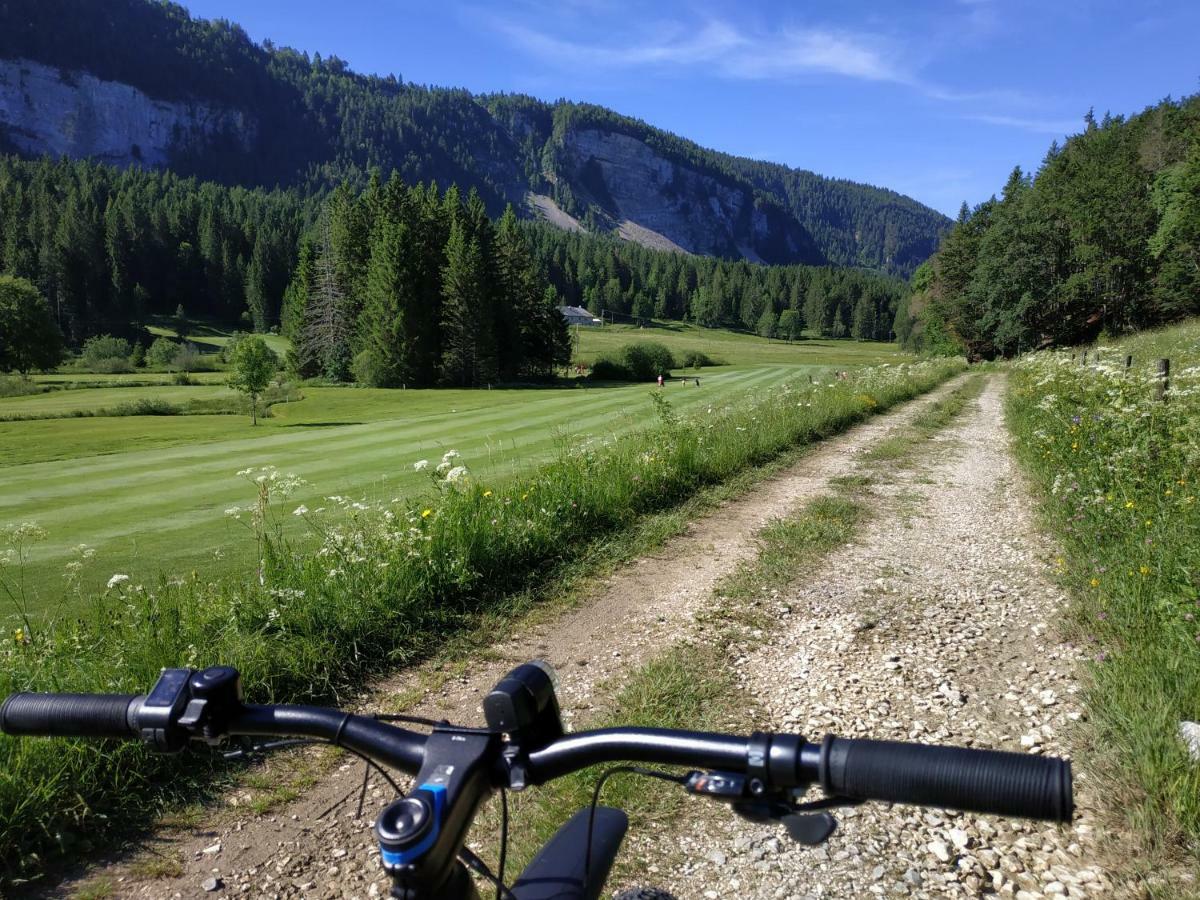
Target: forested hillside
x,y
311,123
110,248
1105,238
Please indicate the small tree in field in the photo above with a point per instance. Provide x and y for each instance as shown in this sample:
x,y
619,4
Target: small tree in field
x,y
254,364
29,338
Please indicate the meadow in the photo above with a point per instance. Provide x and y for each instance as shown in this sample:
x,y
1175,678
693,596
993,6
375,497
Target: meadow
x,y
1117,470
147,494
371,584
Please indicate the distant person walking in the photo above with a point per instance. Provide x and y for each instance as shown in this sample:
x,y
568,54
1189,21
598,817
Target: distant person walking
x,y
660,381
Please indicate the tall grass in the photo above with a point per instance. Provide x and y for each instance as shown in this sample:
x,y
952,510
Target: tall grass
x,y
1119,474
377,585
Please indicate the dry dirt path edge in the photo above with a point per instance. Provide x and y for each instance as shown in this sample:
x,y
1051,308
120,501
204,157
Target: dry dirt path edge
x,y
311,847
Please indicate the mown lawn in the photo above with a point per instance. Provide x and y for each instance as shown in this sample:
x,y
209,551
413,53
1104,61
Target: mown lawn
x,y
736,348
148,493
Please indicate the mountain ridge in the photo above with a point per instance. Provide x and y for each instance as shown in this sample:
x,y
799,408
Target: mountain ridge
x,y
315,122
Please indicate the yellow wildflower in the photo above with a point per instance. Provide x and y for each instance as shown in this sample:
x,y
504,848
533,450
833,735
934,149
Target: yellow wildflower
x,y
1095,582
1145,570
487,493
1129,504
426,513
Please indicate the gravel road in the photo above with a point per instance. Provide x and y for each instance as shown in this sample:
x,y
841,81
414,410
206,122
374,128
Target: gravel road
x,y
937,624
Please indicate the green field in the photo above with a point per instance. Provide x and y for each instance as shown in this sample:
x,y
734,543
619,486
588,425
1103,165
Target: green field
x,y
735,348
149,492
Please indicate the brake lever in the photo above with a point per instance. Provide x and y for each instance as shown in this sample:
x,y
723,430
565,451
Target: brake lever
x,y
806,823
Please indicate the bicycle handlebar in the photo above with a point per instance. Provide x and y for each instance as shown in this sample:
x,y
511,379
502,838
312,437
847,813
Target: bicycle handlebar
x,y
986,781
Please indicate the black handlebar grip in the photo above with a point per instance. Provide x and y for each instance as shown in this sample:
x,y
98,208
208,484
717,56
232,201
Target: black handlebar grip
x,y
71,715
987,781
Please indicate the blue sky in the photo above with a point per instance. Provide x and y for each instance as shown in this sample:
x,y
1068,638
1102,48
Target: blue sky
x,y
938,99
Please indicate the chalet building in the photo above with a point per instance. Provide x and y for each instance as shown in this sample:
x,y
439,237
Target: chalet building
x,y
577,315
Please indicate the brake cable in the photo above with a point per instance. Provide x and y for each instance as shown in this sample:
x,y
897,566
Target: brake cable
x,y
618,770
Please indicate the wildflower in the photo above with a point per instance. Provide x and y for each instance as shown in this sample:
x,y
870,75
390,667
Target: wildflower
x,y
117,579
1095,582
19,636
456,474
300,510
426,513
1102,615
487,493
1129,504
420,465
1101,656
1145,570
450,455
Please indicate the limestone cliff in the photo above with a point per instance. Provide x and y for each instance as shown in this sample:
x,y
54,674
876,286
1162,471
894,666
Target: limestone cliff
x,y
45,110
644,194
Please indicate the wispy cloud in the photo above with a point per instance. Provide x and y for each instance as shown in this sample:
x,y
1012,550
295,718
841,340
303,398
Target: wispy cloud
x,y
725,49
717,47
1040,126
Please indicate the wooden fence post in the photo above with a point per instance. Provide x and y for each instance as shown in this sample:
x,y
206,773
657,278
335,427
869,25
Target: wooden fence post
x,y
1083,361
1128,363
1163,379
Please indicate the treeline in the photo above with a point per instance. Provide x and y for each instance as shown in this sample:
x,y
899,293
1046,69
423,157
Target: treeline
x,y
1103,240
403,285
610,275
110,248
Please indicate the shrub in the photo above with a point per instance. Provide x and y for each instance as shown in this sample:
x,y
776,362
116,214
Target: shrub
x,y
187,358
698,359
144,406
101,353
608,368
162,353
646,360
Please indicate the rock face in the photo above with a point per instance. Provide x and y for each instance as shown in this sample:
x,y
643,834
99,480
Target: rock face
x,y
646,194
44,110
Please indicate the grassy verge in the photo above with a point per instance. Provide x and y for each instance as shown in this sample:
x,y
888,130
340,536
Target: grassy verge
x,y
1117,473
387,585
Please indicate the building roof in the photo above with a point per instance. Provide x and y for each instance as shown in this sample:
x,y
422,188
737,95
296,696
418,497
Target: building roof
x,y
575,311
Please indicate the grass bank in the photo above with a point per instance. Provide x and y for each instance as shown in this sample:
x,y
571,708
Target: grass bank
x,y
384,585
1117,476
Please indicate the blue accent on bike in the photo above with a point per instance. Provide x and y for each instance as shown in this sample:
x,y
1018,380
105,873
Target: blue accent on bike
x,y
437,793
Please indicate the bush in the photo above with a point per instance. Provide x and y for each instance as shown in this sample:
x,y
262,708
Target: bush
x,y
607,368
643,361
698,359
101,353
144,406
15,386
187,358
646,360
113,366
162,353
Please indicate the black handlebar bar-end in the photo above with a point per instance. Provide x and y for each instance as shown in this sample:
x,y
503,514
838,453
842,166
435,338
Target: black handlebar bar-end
x,y
71,715
987,781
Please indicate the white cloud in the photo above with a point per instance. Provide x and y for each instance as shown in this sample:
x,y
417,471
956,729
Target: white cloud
x,y
726,50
